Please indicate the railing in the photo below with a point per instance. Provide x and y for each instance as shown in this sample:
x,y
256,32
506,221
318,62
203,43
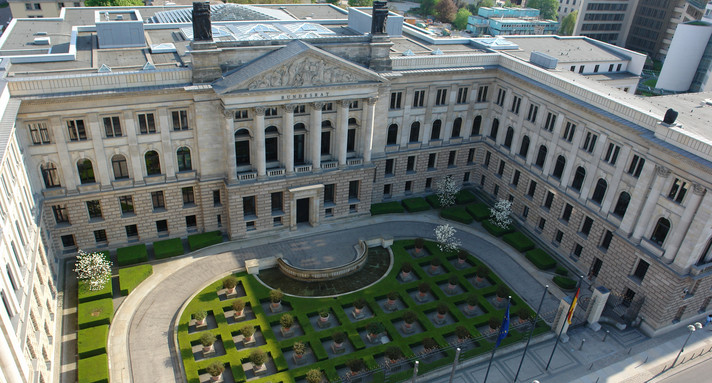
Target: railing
x,y
247,176
316,275
275,172
303,168
329,165
354,161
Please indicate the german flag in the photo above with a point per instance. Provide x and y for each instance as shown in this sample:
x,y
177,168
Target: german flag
x,y
573,306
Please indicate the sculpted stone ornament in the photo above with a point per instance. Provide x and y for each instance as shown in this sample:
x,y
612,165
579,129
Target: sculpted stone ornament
x,y
662,171
260,110
202,29
306,71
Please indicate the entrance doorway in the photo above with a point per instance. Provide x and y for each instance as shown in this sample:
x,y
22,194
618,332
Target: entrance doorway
x,y
303,210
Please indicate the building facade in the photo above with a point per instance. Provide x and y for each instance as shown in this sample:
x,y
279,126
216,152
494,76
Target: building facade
x,y
510,21
39,9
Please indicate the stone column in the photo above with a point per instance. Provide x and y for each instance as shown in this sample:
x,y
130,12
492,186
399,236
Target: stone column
x,y
230,146
66,166
101,166
637,198
661,174
169,156
259,142
136,160
315,135
368,133
693,203
595,308
288,141
695,241
342,127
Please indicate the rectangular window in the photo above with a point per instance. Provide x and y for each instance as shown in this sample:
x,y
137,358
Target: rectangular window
x,y
418,99
162,226
612,153
500,170
572,68
188,196
431,160
501,94
586,226
678,190
606,240
533,110
387,190
180,119
636,166
515,178
390,166
126,203
532,188
37,6
68,241
578,249
39,133
60,214
216,198
353,105
525,212
157,199
100,236
589,142
483,179
353,190
462,95
28,6
542,223
610,68
329,193
569,132
549,200
146,123
277,201
581,69
351,141
495,191
428,183
94,209
471,156
131,231
249,206
451,158
191,222
618,68
441,97
516,102
408,186
641,270
396,100
325,143
411,164
272,112
482,93
559,237
550,121
112,126
243,114
76,130
566,215
488,156
300,109
328,106
466,177
595,68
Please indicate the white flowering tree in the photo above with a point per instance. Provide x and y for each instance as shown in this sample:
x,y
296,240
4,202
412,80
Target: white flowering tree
x,y
501,213
94,269
445,235
447,188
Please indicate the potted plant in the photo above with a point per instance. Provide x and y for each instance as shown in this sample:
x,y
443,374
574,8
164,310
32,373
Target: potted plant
x,y
286,320
339,338
275,296
247,332
452,282
355,365
207,340
374,329
393,353
359,304
409,317
502,292
423,289
461,333
494,324
482,273
434,265
314,376
215,369
442,310
471,301
523,315
392,297
229,284
430,344
199,317
299,350
258,358
461,257
324,315
406,268
239,307
419,243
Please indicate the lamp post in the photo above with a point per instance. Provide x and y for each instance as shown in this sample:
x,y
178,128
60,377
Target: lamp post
x,y
691,328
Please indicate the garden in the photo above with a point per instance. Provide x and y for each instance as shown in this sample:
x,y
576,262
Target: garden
x,y
240,330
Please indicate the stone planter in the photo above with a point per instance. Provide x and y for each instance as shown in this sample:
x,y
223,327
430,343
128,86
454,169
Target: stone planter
x,y
324,319
373,338
275,307
338,348
287,332
405,276
469,310
357,313
216,378
259,370
230,291
299,358
408,327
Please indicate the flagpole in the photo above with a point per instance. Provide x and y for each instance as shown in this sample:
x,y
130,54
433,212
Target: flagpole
x,y
495,346
531,332
562,327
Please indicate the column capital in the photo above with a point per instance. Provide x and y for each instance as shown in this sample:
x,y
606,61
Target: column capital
x,y
260,110
698,189
288,108
228,114
344,103
662,171
317,105
371,100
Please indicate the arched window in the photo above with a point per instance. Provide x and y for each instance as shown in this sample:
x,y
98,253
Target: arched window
x,y
541,156
120,167
86,171
578,178
415,131
184,163
50,175
153,164
622,204
559,167
600,191
456,126
508,137
392,137
435,131
271,143
524,148
242,147
494,130
661,231
476,125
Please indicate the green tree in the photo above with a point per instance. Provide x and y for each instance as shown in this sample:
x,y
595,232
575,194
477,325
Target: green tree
x,y
113,3
546,7
446,10
335,2
568,23
427,7
461,18
358,3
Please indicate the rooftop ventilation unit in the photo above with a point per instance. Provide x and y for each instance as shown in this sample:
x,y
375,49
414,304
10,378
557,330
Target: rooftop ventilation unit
x,y
42,41
543,60
40,33
119,28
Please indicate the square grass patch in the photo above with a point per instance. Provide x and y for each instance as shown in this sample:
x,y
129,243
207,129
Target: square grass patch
x,y
464,196
130,277
168,248
95,313
541,259
479,211
519,241
92,341
131,255
86,295
386,208
415,205
458,214
199,241
494,229
434,201
93,370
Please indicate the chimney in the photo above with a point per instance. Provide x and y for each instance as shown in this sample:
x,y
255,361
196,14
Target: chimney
x,y
378,18
202,29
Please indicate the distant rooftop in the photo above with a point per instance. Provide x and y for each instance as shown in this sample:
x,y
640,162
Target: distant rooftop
x,y
566,49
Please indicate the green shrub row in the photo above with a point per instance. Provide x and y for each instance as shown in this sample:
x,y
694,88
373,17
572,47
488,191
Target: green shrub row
x,y
416,204
433,200
94,369
199,241
386,208
464,197
95,313
456,213
496,230
519,241
541,259
130,277
564,282
92,341
168,248
131,255
479,211
86,295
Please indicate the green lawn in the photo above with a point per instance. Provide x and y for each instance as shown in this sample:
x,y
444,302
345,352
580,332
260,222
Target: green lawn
x,y
386,208
168,248
92,341
86,295
95,313
131,254
93,370
130,277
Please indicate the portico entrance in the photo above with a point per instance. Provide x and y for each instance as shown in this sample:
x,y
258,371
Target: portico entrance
x,y
304,206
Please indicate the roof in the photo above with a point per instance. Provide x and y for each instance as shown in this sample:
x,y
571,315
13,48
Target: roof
x,y
566,50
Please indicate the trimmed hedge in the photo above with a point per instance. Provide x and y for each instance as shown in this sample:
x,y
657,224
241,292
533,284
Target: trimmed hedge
x,y
386,208
479,211
199,241
86,295
95,313
458,214
416,204
131,254
93,370
519,241
464,196
496,230
168,248
130,277
564,282
92,341
433,200
561,271
541,259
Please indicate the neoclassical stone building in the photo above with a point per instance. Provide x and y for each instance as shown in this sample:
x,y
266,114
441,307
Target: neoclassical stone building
x,y
135,124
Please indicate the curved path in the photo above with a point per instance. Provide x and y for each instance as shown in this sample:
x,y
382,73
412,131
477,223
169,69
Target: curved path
x,y
141,339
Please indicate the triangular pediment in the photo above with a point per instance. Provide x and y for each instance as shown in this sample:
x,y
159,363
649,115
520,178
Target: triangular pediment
x,y
296,65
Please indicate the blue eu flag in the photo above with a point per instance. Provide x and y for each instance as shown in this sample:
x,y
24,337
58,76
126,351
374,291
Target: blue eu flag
x,y
504,329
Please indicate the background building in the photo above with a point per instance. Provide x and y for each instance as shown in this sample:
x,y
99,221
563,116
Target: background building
x,y
39,8
498,21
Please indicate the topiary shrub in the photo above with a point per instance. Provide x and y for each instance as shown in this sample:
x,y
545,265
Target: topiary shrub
x,y
415,205
355,365
393,295
424,287
430,343
464,196
496,230
523,314
540,259
462,254
394,353
375,328
258,357
461,332
518,241
472,300
386,208
286,320
564,282
560,270
215,369
457,214
230,282
247,331
494,323
452,280
314,376
435,262
275,296
238,305
482,271
299,348
434,201
406,267
419,243
442,308
360,303
338,337
478,211
503,291
200,315
410,317
207,339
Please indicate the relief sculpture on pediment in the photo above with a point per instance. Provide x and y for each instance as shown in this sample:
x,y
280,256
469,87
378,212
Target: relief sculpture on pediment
x,y
307,71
